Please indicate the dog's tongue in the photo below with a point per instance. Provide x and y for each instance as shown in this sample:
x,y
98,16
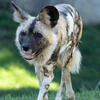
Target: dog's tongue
x,y
28,55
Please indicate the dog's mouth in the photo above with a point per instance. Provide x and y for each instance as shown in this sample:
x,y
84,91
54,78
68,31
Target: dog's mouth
x,y
29,56
32,55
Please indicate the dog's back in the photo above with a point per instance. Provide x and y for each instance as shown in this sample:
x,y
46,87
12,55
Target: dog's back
x,y
70,31
72,22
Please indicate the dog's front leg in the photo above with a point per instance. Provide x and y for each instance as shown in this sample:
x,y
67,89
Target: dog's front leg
x,y
40,75
48,77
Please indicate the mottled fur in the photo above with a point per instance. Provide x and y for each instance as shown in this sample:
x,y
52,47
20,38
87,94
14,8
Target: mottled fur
x,y
54,36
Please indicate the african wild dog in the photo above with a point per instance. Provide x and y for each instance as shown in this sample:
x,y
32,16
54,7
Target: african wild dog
x,y
48,40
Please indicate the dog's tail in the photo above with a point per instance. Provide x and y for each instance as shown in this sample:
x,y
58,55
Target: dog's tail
x,y
76,61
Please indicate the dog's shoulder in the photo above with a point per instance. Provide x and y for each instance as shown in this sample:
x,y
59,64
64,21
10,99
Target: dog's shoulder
x,y
71,20
65,9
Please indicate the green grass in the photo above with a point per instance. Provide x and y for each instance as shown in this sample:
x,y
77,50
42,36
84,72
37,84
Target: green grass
x,y
17,77
92,95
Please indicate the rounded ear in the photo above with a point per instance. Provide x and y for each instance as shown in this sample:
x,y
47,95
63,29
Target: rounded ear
x,y
19,15
49,15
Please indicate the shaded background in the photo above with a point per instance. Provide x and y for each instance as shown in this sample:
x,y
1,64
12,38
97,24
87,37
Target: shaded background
x,y
18,77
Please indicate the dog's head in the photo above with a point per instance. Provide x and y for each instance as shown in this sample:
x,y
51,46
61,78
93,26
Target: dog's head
x,y
35,34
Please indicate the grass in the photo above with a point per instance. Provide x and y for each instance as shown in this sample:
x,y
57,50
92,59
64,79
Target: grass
x,y
92,95
17,77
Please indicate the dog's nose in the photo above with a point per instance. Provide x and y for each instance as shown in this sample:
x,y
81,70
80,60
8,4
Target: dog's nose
x,y
25,47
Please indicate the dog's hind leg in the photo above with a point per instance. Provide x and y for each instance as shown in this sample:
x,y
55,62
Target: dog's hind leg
x,y
69,90
73,66
61,89
65,81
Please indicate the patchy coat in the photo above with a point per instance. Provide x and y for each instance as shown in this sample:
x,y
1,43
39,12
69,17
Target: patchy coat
x,y
48,40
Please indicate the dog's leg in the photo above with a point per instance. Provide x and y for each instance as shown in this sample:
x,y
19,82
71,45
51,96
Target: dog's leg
x,y
72,65
66,78
69,90
40,75
65,81
48,77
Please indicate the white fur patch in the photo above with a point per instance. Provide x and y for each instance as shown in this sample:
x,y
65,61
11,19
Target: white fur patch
x,y
65,46
16,17
70,24
76,61
20,16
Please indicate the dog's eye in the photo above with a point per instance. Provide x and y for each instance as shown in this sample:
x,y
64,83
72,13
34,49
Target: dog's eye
x,y
37,35
23,33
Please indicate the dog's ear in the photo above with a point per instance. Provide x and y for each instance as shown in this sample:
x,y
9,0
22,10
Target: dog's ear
x,y
19,15
49,15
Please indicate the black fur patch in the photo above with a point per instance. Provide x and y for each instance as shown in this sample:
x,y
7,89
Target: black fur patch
x,y
63,13
70,11
32,25
54,15
55,54
45,72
